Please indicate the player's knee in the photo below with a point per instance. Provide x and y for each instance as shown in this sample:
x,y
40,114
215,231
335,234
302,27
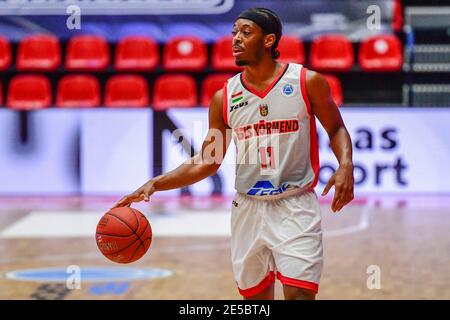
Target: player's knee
x,y
293,293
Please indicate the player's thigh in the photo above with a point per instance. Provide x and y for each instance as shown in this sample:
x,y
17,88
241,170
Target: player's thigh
x,y
296,242
245,228
252,261
299,263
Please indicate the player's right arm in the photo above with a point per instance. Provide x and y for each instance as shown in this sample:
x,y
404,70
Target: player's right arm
x,y
202,165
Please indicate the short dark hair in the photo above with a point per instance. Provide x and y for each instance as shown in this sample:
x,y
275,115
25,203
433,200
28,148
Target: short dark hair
x,y
278,31
269,22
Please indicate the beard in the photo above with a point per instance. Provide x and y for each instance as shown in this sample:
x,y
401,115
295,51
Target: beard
x,y
241,63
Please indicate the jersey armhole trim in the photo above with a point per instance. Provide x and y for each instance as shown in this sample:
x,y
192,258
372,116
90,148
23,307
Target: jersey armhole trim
x,y
225,103
303,88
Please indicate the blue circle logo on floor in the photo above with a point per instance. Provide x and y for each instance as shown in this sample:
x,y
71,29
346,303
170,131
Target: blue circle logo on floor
x,y
88,274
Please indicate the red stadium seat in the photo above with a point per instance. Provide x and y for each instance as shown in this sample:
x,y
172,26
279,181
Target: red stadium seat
x,y
88,53
137,53
291,50
78,91
335,88
176,90
126,91
381,53
331,53
38,53
211,84
185,54
29,92
397,16
1,94
5,53
222,55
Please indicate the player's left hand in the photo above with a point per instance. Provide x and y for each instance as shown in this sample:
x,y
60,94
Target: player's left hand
x,y
343,183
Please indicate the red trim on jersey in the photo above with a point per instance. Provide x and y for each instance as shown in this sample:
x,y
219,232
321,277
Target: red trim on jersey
x,y
313,143
225,103
298,283
303,87
267,281
265,92
314,149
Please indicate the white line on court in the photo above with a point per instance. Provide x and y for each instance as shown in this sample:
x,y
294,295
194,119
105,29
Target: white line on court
x,y
15,231
70,224
362,225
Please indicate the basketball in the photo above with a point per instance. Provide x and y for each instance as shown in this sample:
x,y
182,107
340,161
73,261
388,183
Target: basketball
x,y
123,235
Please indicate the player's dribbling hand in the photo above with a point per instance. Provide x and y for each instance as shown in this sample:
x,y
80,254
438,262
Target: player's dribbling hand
x,y
343,183
143,193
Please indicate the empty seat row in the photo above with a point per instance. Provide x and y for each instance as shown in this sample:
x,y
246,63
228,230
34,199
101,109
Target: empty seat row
x,y
133,53
29,92
190,54
376,53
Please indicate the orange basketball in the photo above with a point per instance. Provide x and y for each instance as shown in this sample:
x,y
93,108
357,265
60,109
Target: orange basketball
x,y
123,235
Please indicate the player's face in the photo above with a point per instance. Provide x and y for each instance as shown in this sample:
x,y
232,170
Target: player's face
x,y
248,42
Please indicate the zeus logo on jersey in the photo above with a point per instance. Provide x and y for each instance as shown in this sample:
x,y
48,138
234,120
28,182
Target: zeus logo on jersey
x,y
262,188
237,106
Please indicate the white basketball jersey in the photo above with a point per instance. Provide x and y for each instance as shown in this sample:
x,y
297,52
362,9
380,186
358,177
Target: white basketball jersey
x,y
275,134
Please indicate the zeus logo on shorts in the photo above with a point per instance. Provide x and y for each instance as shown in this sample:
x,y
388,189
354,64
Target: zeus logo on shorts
x,y
262,188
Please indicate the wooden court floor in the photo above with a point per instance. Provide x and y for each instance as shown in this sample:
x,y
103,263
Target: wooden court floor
x,y
406,239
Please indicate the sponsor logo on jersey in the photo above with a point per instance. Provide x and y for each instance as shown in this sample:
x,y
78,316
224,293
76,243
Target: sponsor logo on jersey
x,y
263,110
237,106
265,187
237,100
287,90
267,128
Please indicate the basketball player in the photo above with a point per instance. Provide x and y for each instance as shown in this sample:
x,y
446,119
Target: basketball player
x,y
270,108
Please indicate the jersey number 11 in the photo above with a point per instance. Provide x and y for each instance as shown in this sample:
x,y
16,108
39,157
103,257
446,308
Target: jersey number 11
x,y
267,157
